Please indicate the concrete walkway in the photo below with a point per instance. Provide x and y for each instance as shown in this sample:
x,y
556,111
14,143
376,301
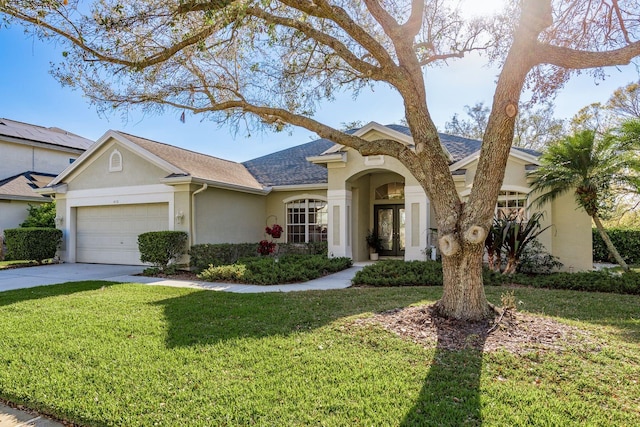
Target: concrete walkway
x,y
28,277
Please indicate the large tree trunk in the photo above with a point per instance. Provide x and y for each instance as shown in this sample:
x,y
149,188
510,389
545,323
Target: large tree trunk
x,y
463,295
609,244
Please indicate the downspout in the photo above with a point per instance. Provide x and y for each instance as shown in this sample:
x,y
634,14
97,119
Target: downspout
x,y
193,213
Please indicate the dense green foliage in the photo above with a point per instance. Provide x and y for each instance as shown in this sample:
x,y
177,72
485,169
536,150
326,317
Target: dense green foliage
x,y
35,244
429,273
273,271
204,255
626,240
124,354
41,216
160,248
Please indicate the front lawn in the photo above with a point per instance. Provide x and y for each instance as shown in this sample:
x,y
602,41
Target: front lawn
x,y
98,353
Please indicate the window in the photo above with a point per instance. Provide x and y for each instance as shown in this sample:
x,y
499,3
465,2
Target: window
x,y
511,203
391,191
307,221
115,161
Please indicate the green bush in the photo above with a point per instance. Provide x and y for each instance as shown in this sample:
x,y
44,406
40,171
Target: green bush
x,y
41,216
160,248
273,271
429,273
32,243
626,241
204,255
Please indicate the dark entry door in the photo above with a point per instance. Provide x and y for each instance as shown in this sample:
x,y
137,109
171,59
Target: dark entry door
x,y
389,225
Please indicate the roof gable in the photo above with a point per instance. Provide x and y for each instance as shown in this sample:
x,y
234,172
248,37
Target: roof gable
x,y
177,162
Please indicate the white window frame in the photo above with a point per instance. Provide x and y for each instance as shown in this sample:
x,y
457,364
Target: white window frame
x,y
306,224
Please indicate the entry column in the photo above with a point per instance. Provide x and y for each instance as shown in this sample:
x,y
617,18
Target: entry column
x,y
339,232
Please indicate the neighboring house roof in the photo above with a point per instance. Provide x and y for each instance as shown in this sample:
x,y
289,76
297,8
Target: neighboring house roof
x,y
20,187
290,166
197,165
52,136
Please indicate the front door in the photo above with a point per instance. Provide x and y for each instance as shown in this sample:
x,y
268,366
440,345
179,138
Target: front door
x,y
389,225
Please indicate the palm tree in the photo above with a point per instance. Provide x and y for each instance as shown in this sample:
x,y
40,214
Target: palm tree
x,y
596,169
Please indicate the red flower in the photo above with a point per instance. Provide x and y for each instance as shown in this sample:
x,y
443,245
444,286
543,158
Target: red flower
x,y
274,231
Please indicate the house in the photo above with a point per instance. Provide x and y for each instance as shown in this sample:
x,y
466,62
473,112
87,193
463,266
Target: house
x,y
125,185
31,157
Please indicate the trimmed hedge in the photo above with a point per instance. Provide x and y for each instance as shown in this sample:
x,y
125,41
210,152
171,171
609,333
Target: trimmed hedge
x,y
429,273
204,255
626,241
162,247
269,271
32,243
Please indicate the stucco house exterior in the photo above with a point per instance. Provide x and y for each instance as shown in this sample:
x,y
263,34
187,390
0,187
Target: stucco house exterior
x,y
124,185
31,156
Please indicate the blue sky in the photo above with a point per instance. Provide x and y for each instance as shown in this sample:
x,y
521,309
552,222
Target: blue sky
x,y
30,94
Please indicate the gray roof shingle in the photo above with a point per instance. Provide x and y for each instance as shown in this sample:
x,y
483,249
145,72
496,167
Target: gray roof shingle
x,y
290,166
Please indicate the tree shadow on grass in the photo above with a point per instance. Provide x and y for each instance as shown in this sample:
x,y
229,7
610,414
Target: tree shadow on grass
x,y
450,395
46,291
206,317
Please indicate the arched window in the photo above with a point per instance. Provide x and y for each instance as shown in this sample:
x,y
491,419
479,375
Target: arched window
x,y
115,161
307,221
391,191
512,204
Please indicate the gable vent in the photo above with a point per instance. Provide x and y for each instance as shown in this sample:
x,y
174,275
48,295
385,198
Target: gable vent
x,y
115,161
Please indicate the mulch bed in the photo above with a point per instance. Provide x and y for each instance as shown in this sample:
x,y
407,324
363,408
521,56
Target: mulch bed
x,y
517,332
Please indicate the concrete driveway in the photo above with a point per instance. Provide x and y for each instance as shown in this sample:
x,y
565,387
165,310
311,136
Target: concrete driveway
x,y
28,277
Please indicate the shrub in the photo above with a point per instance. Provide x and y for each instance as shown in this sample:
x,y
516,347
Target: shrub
x,y
32,243
273,271
536,260
625,240
429,273
160,248
41,216
232,273
204,255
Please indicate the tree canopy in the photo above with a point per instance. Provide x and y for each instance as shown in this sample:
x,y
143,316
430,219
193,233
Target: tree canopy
x,y
272,61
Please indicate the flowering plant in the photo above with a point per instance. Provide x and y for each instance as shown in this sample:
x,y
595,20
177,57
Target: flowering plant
x,y
274,231
266,247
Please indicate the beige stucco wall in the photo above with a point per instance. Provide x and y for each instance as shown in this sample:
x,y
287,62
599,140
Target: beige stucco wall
x,y
224,216
94,173
19,158
572,239
13,213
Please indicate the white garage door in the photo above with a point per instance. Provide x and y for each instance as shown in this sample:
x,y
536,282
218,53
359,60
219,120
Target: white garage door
x,y
109,234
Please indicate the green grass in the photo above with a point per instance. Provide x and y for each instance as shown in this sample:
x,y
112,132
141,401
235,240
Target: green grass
x,y
97,353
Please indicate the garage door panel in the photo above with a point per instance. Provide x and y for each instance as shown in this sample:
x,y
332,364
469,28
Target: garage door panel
x,y
109,234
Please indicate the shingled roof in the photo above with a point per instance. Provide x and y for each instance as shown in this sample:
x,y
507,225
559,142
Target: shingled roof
x,y
21,186
198,165
52,136
290,166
